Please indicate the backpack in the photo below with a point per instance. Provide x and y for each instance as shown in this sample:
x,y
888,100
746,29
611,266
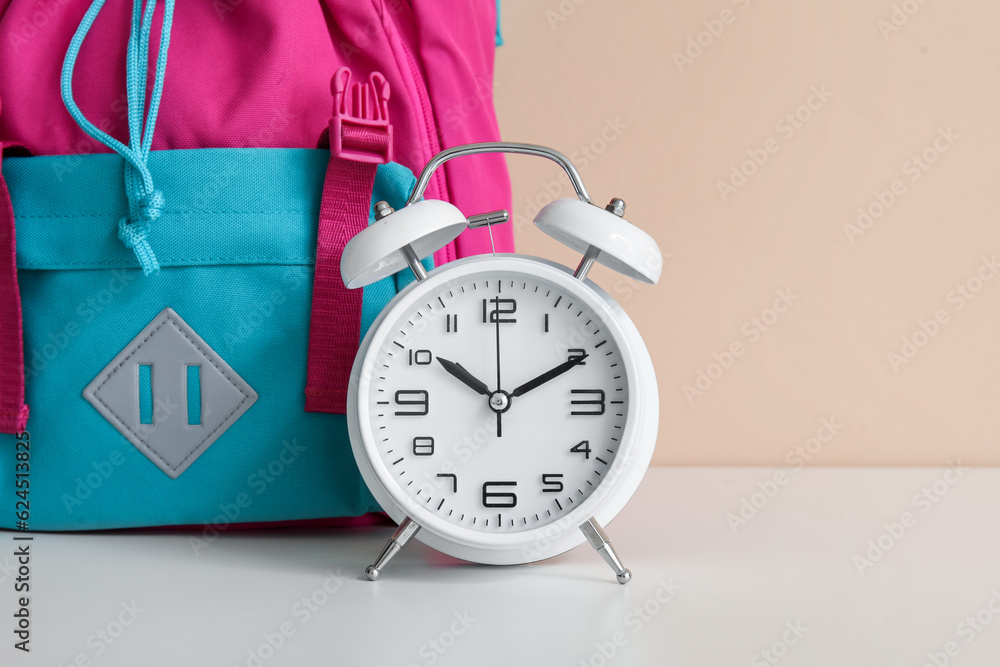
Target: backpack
x,y
176,189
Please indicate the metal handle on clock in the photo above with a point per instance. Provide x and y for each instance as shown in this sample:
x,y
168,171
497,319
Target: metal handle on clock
x,y
498,147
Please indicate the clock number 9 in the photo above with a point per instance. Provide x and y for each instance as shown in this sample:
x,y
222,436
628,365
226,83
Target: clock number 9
x,y
418,398
498,498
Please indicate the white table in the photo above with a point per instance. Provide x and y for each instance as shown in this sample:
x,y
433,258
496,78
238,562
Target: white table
x,y
786,582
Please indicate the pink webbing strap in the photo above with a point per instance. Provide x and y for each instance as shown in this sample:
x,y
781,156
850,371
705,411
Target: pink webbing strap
x,y
13,411
360,140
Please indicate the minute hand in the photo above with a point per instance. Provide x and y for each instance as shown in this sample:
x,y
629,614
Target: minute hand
x,y
550,375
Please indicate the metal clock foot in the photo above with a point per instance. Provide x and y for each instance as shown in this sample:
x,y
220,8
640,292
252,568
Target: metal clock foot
x,y
599,540
399,539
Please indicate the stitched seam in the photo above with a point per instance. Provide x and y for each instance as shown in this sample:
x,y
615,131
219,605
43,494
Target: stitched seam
x,y
169,262
199,446
44,216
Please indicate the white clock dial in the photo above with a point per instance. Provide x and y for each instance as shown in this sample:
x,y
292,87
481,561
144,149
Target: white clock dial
x,y
536,451
495,403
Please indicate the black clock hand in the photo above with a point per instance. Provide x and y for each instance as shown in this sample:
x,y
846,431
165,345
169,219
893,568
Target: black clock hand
x,y
550,375
465,376
496,314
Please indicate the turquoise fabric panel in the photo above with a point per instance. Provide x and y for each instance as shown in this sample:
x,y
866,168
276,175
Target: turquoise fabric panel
x,y
249,298
223,206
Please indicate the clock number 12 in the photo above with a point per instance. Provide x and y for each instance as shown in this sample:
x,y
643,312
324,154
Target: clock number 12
x,y
501,308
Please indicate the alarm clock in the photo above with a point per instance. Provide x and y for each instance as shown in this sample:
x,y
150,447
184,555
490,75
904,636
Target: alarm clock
x,y
502,408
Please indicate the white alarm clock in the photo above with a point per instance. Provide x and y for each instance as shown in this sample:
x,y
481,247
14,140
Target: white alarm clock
x,y
502,408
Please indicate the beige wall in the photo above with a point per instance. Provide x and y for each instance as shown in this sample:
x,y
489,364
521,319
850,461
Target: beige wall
x,y
663,136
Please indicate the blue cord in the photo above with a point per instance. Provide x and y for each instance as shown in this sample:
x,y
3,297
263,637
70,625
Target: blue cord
x,y
145,203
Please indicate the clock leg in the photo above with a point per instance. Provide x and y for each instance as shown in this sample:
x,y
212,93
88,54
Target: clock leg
x,y
406,530
599,540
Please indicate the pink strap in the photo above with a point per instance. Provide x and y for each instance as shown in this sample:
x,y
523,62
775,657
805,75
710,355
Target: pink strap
x,y
360,140
13,411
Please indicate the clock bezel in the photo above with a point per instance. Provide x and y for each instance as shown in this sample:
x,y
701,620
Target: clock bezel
x,y
562,534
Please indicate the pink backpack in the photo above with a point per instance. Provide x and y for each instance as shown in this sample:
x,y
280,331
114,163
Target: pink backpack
x,y
240,74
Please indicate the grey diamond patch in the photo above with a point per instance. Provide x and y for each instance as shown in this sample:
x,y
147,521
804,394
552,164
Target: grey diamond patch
x,y
170,394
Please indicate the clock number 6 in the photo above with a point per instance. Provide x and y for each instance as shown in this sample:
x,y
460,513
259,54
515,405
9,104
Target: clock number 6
x,y
419,398
498,498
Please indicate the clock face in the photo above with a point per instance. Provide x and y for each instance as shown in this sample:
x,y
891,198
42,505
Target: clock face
x,y
497,400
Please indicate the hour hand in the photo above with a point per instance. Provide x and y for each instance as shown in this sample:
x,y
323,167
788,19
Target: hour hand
x,y
550,375
465,376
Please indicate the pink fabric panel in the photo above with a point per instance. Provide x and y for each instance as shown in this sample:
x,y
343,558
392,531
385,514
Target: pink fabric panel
x,y
257,73
458,65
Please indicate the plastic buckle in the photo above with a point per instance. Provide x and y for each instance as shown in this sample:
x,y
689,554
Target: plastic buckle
x,y
360,128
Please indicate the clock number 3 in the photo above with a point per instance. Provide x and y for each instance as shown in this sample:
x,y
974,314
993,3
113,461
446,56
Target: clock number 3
x,y
595,402
416,400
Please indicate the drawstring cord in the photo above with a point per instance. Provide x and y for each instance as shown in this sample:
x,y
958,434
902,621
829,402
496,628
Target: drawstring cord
x,y
145,203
